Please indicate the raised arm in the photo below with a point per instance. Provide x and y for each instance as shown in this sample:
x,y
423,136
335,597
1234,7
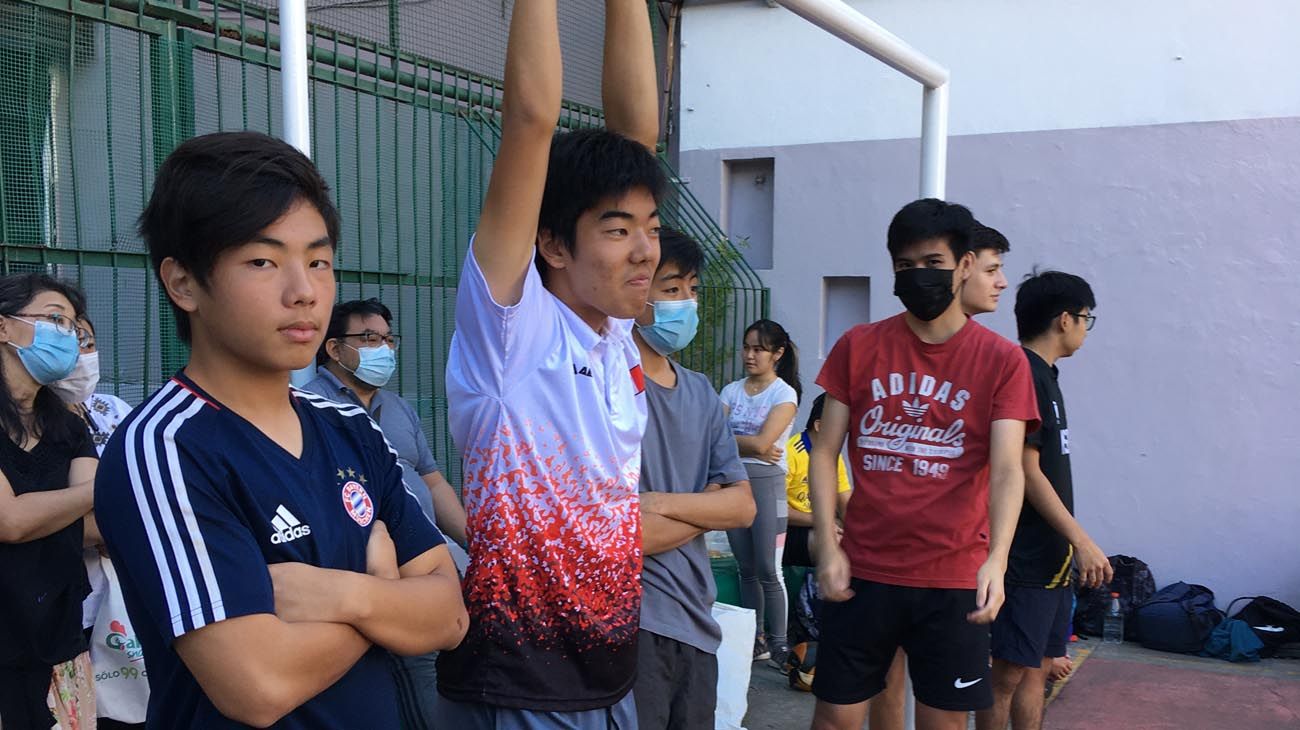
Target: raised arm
x,y
629,88
507,232
31,516
1006,495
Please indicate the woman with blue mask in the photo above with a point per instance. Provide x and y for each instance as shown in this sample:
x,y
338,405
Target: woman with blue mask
x,y
47,473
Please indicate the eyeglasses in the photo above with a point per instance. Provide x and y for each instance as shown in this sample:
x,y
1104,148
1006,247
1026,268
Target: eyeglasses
x,y
62,324
1091,318
374,339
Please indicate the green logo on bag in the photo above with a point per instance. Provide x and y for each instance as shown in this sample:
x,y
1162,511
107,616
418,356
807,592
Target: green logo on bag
x,y
117,639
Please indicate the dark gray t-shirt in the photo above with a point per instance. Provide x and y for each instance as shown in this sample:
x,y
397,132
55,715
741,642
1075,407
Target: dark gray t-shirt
x,y
687,447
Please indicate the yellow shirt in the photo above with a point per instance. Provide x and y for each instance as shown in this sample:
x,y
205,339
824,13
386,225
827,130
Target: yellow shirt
x,y
796,478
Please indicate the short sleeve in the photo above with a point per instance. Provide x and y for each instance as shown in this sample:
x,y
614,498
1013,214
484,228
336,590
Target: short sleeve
x,y
784,394
728,394
1034,438
1014,399
724,457
496,344
834,376
796,473
83,445
412,532
425,462
186,558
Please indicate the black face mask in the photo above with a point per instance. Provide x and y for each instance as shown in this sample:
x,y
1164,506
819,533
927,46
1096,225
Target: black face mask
x,y
925,292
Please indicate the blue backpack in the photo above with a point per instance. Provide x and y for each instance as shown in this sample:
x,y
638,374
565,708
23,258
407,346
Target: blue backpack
x,y
1179,618
1233,640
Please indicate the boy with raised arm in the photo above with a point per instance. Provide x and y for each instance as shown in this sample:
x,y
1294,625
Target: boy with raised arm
x,y
547,394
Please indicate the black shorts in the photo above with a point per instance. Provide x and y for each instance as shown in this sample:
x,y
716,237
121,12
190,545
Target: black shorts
x,y
947,656
1032,625
798,552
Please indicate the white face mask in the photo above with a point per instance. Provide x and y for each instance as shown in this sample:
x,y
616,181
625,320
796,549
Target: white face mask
x,y
81,382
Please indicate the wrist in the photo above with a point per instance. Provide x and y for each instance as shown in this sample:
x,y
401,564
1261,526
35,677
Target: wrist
x,y
354,597
998,560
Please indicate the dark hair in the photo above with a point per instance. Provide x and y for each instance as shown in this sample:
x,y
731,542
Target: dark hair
x,y
681,250
773,337
1044,296
50,415
587,166
217,191
985,237
921,220
815,415
344,312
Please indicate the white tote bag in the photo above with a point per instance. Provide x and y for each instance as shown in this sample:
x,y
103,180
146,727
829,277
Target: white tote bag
x,y
735,659
121,682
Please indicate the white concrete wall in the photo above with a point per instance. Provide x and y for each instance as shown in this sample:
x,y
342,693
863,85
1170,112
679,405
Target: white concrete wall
x,y
755,75
1172,185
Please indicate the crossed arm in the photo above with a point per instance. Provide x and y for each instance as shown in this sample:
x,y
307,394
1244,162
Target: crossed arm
x,y
257,668
669,521
31,516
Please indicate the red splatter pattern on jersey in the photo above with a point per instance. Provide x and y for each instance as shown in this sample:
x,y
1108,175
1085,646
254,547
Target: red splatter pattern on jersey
x,y
555,548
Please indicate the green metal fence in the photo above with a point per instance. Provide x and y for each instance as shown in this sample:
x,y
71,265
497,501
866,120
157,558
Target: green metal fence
x,y
94,95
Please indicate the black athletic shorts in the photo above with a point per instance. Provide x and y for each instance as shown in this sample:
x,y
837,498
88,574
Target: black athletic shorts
x,y
947,656
1031,625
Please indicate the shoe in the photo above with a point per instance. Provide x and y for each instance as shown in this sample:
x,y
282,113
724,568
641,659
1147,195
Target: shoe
x,y
760,649
780,658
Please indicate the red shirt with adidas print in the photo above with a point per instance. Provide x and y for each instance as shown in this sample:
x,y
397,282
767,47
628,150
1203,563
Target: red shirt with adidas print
x,y
918,437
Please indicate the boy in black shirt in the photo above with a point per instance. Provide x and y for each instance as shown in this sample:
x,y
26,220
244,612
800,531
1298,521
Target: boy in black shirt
x,y
1053,316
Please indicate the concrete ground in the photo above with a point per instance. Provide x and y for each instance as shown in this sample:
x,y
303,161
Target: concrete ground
x,y
1114,686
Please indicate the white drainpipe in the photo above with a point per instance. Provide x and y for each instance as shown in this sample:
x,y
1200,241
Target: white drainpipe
x,y
859,31
294,100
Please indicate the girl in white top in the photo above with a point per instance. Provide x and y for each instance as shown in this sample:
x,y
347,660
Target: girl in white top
x,y
760,410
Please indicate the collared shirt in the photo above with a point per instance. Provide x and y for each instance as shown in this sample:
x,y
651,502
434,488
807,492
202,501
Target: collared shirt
x,y
400,424
797,450
549,416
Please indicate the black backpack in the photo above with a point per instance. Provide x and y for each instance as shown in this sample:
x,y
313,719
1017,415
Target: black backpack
x,y
1274,622
1179,617
1133,583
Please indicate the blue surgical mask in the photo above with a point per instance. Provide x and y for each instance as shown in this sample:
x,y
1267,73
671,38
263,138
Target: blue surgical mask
x,y
376,366
676,323
52,354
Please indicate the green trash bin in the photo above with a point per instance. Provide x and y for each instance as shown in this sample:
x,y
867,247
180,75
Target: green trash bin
x,y
726,574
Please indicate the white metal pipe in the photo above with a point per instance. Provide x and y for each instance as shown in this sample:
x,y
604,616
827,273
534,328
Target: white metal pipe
x,y
859,31
867,36
294,101
934,141
293,74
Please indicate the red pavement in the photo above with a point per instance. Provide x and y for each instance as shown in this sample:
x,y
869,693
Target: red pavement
x,y
1115,694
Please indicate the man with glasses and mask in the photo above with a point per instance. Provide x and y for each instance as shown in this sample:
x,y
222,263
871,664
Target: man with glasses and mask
x,y
933,399
354,363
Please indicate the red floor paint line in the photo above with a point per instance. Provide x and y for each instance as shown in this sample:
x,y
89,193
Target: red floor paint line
x,y
1123,695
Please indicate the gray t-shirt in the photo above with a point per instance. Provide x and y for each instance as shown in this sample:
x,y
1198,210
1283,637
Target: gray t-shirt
x,y
401,426
688,446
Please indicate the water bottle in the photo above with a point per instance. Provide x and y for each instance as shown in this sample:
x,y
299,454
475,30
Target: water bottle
x,y
1113,629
